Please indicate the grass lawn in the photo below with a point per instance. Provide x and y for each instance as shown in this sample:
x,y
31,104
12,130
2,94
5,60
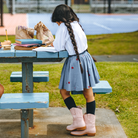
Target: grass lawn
x,y
113,44
5,9
107,44
123,77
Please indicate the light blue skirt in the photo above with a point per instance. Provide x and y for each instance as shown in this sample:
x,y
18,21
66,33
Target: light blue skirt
x,y
71,77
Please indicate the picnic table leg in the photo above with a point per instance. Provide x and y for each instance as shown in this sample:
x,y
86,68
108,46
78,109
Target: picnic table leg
x,y
27,84
24,123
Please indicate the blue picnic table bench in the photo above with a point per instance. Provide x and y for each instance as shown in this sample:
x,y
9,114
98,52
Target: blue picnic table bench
x,y
24,101
103,87
27,58
27,100
38,76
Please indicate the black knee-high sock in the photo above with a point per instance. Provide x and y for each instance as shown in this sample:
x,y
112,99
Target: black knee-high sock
x,y
69,102
90,107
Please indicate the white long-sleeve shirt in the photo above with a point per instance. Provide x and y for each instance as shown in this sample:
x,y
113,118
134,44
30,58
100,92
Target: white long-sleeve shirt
x,y
63,42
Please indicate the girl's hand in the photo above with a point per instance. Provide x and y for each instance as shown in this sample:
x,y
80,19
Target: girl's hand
x,y
52,45
8,42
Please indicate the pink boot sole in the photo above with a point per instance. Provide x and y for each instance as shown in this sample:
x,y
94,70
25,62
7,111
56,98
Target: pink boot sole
x,y
80,128
88,134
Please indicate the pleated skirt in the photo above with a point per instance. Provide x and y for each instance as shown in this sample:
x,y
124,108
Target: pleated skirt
x,y
71,77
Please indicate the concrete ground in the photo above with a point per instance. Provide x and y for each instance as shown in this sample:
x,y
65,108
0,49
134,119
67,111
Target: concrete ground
x,y
52,122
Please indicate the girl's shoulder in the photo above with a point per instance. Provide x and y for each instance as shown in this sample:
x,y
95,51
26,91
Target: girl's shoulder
x,y
62,27
75,23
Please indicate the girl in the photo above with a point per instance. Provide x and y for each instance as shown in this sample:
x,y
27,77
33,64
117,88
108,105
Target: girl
x,y
79,72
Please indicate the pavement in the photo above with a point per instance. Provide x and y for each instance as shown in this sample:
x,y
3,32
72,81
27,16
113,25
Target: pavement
x,y
92,23
52,122
117,58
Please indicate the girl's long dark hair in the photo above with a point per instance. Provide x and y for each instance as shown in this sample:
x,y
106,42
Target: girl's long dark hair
x,y
65,14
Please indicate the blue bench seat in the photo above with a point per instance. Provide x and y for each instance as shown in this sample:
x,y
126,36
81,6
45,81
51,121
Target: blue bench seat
x,y
24,101
38,76
103,87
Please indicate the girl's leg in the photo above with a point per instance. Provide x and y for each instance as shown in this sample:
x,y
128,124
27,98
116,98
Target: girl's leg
x,y
89,117
65,94
90,100
88,94
78,122
67,98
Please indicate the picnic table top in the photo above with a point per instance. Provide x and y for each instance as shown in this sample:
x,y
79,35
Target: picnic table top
x,y
31,56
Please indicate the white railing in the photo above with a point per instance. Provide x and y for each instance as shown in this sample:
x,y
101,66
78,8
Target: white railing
x,y
116,5
23,6
27,6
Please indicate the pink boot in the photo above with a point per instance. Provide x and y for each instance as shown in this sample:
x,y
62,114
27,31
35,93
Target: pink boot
x,y
78,122
90,126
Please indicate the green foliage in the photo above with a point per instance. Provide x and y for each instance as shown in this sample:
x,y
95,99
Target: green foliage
x,y
123,77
